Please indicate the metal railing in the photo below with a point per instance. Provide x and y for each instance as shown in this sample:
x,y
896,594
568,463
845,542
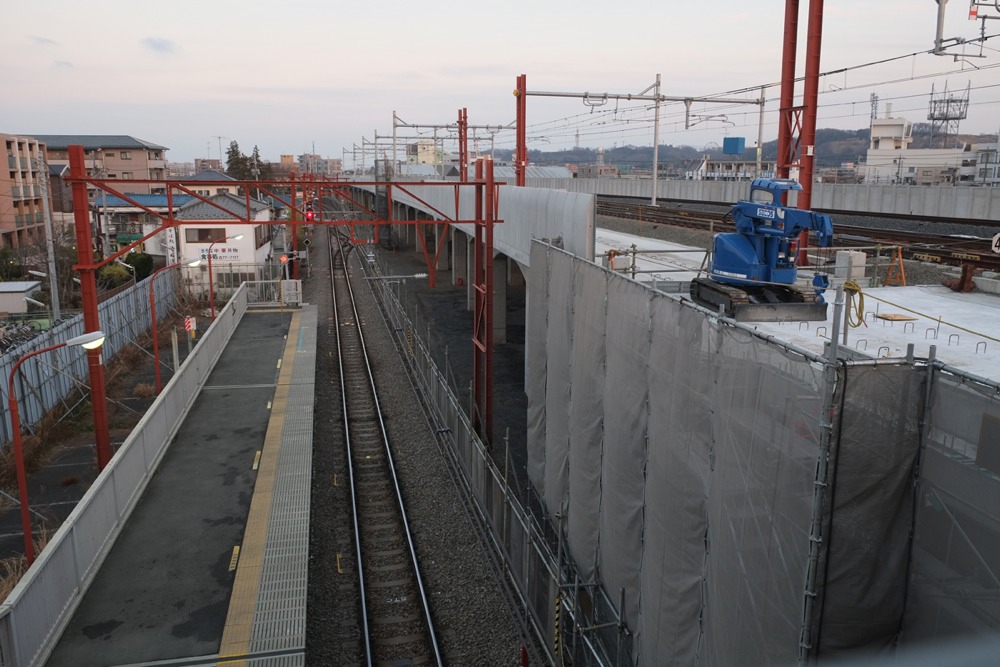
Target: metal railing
x,y
539,574
41,605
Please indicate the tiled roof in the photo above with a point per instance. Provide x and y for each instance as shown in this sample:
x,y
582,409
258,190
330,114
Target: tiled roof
x,y
92,141
150,201
237,206
210,175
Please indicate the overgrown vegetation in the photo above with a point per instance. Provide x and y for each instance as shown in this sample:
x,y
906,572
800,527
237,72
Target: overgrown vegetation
x,y
62,428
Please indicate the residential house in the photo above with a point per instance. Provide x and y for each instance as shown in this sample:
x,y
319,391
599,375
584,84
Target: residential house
x,y
209,227
121,222
199,183
115,157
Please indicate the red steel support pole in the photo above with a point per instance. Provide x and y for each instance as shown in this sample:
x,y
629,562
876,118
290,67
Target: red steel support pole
x,y
809,101
463,144
155,335
479,305
211,284
22,475
521,151
152,314
787,98
88,290
488,319
295,234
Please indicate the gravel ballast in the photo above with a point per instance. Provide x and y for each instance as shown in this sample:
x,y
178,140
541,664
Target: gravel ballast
x,y
475,623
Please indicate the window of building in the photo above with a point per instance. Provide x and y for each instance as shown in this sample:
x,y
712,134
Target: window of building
x,y
112,175
126,155
204,234
127,175
109,154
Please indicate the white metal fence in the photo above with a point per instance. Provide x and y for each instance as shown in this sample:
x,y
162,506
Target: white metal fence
x,y
35,613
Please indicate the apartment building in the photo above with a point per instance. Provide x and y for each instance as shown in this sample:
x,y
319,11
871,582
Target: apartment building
x,y
115,157
22,207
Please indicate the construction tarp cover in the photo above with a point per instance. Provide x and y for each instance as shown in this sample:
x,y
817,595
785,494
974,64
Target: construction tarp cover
x,y
743,502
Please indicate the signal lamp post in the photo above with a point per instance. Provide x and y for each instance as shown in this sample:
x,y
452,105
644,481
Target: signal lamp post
x,y
211,285
152,315
89,341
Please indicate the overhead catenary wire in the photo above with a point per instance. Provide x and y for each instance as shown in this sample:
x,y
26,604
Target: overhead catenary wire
x,y
590,123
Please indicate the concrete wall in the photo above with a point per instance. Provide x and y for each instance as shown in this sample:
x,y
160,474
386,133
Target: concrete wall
x,y
961,203
527,213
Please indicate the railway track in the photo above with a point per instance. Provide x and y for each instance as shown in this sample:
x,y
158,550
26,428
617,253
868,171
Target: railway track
x,y
396,623
936,248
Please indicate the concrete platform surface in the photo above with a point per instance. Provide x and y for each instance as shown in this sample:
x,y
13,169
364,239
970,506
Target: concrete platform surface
x,y
164,590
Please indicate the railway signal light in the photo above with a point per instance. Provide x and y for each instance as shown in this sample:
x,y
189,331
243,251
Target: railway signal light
x,y
310,214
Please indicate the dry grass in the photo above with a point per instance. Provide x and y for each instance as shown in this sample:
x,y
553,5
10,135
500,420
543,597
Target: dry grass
x,y
58,431
12,569
144,390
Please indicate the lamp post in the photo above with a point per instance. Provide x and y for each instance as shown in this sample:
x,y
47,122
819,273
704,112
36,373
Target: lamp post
x,y
152,315
53,308
89,341
211,285
36,302
128,267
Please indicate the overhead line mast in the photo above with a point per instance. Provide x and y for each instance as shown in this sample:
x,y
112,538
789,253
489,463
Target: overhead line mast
x,y
598,99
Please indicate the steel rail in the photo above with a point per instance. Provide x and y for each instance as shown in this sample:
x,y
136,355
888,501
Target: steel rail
x,y
361,407
919,246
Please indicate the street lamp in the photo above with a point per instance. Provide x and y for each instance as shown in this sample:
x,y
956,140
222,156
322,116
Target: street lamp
x,y
54,312
129,267
36,302
152,315
211,286
89,341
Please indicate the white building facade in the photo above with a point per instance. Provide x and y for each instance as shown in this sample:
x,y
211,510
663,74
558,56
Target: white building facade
x,y
208,229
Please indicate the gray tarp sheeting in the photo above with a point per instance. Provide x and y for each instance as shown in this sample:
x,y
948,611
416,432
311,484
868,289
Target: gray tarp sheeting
x,y
536,372
955,571
756,504
625,412
863,577
676,508
705,527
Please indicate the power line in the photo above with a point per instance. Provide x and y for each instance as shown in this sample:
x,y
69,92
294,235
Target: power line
x,y
569,125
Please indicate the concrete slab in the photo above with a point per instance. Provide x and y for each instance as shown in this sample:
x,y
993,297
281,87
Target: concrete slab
x,y
659,261
965,328
164,591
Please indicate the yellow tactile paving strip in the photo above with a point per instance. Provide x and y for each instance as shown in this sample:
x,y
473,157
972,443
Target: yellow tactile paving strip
x,y
238,631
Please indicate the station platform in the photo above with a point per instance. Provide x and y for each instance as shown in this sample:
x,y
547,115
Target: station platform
x,y
211,566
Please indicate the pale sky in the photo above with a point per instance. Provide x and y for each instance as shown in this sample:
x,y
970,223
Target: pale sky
x,y
294,75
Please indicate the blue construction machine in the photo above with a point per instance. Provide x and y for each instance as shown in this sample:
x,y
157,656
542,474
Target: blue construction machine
x,y
753,274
